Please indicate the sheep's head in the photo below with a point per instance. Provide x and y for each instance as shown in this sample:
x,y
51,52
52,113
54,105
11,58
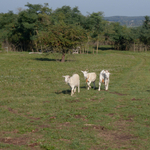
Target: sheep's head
x,y
84,73
66,78
107,73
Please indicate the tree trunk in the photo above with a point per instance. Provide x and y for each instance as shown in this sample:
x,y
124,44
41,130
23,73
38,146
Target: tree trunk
x,y
36,46
41,49
145,48
63,57
97,47
93,50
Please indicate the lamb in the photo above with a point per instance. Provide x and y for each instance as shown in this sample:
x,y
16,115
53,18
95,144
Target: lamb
x,y
104,78
90,77
73,82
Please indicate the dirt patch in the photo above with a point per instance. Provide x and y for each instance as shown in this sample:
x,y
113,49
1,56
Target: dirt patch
x,y
65,140
8,132
15,141
21,139
46,102
84,118
72,101
92,126
81,108
65,124
33,144
34,118
118,93
120,106
135,99
130,118
44,126
26,116
111,114
24,140
12,110
119,137
93,100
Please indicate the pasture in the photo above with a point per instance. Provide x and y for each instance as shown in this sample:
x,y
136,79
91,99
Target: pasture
x,y
37,111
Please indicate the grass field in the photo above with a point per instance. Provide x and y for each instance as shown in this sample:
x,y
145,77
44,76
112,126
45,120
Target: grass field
x,y
37,111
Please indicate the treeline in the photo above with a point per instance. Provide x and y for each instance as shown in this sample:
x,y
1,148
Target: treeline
x,y
41,28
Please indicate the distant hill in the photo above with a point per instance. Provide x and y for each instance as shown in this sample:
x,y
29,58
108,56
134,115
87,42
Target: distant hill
x,y
128,21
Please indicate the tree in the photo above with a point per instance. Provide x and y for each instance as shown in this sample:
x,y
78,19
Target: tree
x,y
95,24
7,25
145,32
67,15
30,22
63,38
135,34
121,37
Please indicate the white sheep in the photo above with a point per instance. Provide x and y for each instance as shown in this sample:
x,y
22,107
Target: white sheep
x,y
104,78
90,77
73,82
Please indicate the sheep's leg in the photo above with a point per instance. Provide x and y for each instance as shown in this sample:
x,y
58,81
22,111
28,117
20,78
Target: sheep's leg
x,y
94,84
74,89
106,87
71,92
79,86
99,86
89,84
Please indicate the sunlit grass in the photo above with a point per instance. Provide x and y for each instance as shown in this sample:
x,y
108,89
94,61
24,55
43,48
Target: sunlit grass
x,y
36,109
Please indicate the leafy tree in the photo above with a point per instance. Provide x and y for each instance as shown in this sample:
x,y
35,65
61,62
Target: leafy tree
x,y
67,15
135,34
7,25
108,32
63,38
95,23
121,37
30,23
145,31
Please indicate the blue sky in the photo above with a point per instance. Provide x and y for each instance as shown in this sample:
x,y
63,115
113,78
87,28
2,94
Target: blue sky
x,y
108,7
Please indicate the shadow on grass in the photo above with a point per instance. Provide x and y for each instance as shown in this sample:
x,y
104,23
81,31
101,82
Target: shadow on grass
x,y
69,90
85,87
103,48
64,92
48,59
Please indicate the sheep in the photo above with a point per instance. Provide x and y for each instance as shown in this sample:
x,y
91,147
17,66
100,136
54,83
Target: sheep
x,y
104,78
90,77
73,82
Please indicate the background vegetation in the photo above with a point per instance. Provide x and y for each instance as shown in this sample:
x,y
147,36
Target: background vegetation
x,y
39,28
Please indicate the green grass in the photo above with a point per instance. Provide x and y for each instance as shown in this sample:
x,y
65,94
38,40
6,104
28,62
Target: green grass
x,y
37,111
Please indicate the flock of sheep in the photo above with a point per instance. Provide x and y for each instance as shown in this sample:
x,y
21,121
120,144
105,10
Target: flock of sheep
x,y
74,80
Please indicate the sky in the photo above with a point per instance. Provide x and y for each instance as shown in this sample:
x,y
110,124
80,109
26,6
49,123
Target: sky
x,y
108,7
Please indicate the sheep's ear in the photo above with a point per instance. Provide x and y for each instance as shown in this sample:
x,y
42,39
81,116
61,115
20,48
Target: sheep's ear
x,y
64,76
